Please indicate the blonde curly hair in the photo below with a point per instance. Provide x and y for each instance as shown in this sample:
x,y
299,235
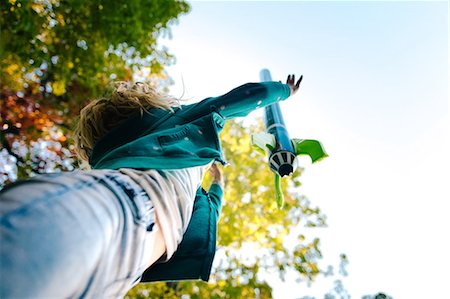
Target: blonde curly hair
x,y
103,114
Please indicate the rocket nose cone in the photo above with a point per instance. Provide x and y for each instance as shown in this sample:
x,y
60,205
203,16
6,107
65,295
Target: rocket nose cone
x,y
285,170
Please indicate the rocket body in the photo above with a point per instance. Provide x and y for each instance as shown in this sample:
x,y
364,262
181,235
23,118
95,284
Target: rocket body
x,y
282,157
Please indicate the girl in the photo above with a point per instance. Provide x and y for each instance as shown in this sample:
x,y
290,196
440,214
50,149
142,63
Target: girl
x,y
140,214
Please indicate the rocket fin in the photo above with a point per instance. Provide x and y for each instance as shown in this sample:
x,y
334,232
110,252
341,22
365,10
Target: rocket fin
x,y
263,141
310,147
278,192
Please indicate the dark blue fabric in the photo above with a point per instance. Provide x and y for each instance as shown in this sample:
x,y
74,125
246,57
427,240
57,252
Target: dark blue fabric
x,y
195,254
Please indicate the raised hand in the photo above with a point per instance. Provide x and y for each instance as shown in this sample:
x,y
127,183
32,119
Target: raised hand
x,y
292,85
217,174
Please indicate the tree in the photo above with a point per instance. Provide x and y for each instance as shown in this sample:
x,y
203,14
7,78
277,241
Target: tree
x,y
55,55
377,296
250,219
81,44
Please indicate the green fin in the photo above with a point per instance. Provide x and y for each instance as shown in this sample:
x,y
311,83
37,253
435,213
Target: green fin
x,y
258,149
262,141
278,192
270,147
310,147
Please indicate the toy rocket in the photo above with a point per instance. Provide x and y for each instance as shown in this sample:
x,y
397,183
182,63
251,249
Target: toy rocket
x,y
282,150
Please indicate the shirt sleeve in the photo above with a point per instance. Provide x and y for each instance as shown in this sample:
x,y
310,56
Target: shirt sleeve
x,y
242,100
216,194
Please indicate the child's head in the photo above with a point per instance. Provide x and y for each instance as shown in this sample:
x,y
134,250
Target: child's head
x,y
103,114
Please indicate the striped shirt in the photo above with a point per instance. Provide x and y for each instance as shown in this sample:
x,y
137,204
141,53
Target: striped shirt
x,y
172,192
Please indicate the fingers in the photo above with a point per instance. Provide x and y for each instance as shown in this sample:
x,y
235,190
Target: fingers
x,y
215,170
298,82
291,81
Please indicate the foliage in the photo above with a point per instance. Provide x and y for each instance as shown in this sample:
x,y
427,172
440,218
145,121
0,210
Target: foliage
x,y
67,44
55,55
252,230
32,135
377,296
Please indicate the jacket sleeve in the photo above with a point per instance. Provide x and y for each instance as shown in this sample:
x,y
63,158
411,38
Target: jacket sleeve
x,y
241,100
216,194
195,254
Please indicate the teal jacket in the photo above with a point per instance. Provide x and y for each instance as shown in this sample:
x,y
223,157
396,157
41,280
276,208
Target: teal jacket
x,y
186,137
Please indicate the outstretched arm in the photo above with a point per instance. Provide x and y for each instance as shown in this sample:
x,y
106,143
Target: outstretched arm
x,y
246,98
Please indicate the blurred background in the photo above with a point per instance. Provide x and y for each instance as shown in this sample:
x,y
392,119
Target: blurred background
x,y
367,222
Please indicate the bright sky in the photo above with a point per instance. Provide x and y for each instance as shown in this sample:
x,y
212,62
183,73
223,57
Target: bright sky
x,y
375,92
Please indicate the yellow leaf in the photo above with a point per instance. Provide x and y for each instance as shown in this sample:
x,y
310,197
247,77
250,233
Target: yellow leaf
x,y
37,7
60,19
59,88
11,69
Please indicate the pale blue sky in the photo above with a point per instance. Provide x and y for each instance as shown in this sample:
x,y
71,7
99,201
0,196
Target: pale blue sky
x,y
375,92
